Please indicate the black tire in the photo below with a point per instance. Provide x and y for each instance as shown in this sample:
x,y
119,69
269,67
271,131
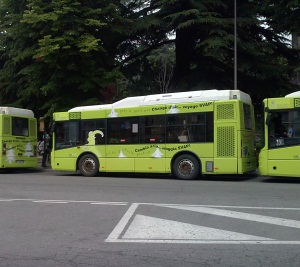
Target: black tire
x,y
186,167
89,165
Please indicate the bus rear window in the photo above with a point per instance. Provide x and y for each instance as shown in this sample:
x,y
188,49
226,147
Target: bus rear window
x,y
20,126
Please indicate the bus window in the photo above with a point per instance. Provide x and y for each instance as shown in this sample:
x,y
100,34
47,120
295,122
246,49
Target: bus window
x,y
20,126
152,129
93,129
122,130
247,117
67,134
284,128
195,127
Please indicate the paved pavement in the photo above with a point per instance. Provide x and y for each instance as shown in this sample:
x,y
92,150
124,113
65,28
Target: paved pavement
x,y
40,159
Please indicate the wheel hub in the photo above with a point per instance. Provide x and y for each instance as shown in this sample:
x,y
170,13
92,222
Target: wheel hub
x,y
89,165
186,167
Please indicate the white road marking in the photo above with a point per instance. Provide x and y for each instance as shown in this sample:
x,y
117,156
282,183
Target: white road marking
x,y
109,203
114,235
206,242
52,202
217,206
64,201
16,199
145,227
240,215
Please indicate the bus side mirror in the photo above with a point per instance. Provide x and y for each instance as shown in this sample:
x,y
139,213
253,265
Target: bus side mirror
x,y
268,119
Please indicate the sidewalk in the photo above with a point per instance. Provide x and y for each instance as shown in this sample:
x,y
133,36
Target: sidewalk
x,y
40,159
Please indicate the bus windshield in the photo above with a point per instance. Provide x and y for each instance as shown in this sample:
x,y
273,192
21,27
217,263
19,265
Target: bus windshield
x,y
284,128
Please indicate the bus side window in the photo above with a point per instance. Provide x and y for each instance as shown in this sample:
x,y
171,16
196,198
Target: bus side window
x,y
172,136
152,129
97,127
122,130
99,139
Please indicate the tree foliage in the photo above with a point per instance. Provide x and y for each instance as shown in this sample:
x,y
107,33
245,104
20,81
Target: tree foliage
x,y
205,42
56,54
162,63
59,58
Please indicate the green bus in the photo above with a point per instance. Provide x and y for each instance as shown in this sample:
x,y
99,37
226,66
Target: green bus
x,y
186,134
280,153
18,138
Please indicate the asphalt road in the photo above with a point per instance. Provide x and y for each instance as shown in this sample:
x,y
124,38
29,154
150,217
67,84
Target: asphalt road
x,y
63,219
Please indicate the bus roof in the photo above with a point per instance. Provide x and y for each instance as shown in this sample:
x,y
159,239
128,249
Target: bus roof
x,y
16,111
295,94
172,98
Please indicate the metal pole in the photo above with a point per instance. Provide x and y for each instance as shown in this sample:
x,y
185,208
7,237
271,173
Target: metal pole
x,y
235,48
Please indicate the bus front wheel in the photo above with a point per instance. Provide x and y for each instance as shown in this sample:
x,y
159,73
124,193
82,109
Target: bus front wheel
x,y
186,167
88,165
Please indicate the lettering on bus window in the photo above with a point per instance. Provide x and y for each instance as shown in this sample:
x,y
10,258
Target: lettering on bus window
x,y
20,126
122,130
284,128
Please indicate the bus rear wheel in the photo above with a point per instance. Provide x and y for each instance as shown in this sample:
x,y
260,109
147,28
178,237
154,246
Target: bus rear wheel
x,y
186,167
88,165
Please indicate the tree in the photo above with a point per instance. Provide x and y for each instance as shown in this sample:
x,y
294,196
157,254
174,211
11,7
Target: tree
x,y
15,50
70,56
60,60
59,54
204,46
284,16
162,62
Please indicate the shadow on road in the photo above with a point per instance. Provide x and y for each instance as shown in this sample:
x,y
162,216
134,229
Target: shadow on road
x,y
220,178
281,180
20,170
216,178
120,175
230,178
